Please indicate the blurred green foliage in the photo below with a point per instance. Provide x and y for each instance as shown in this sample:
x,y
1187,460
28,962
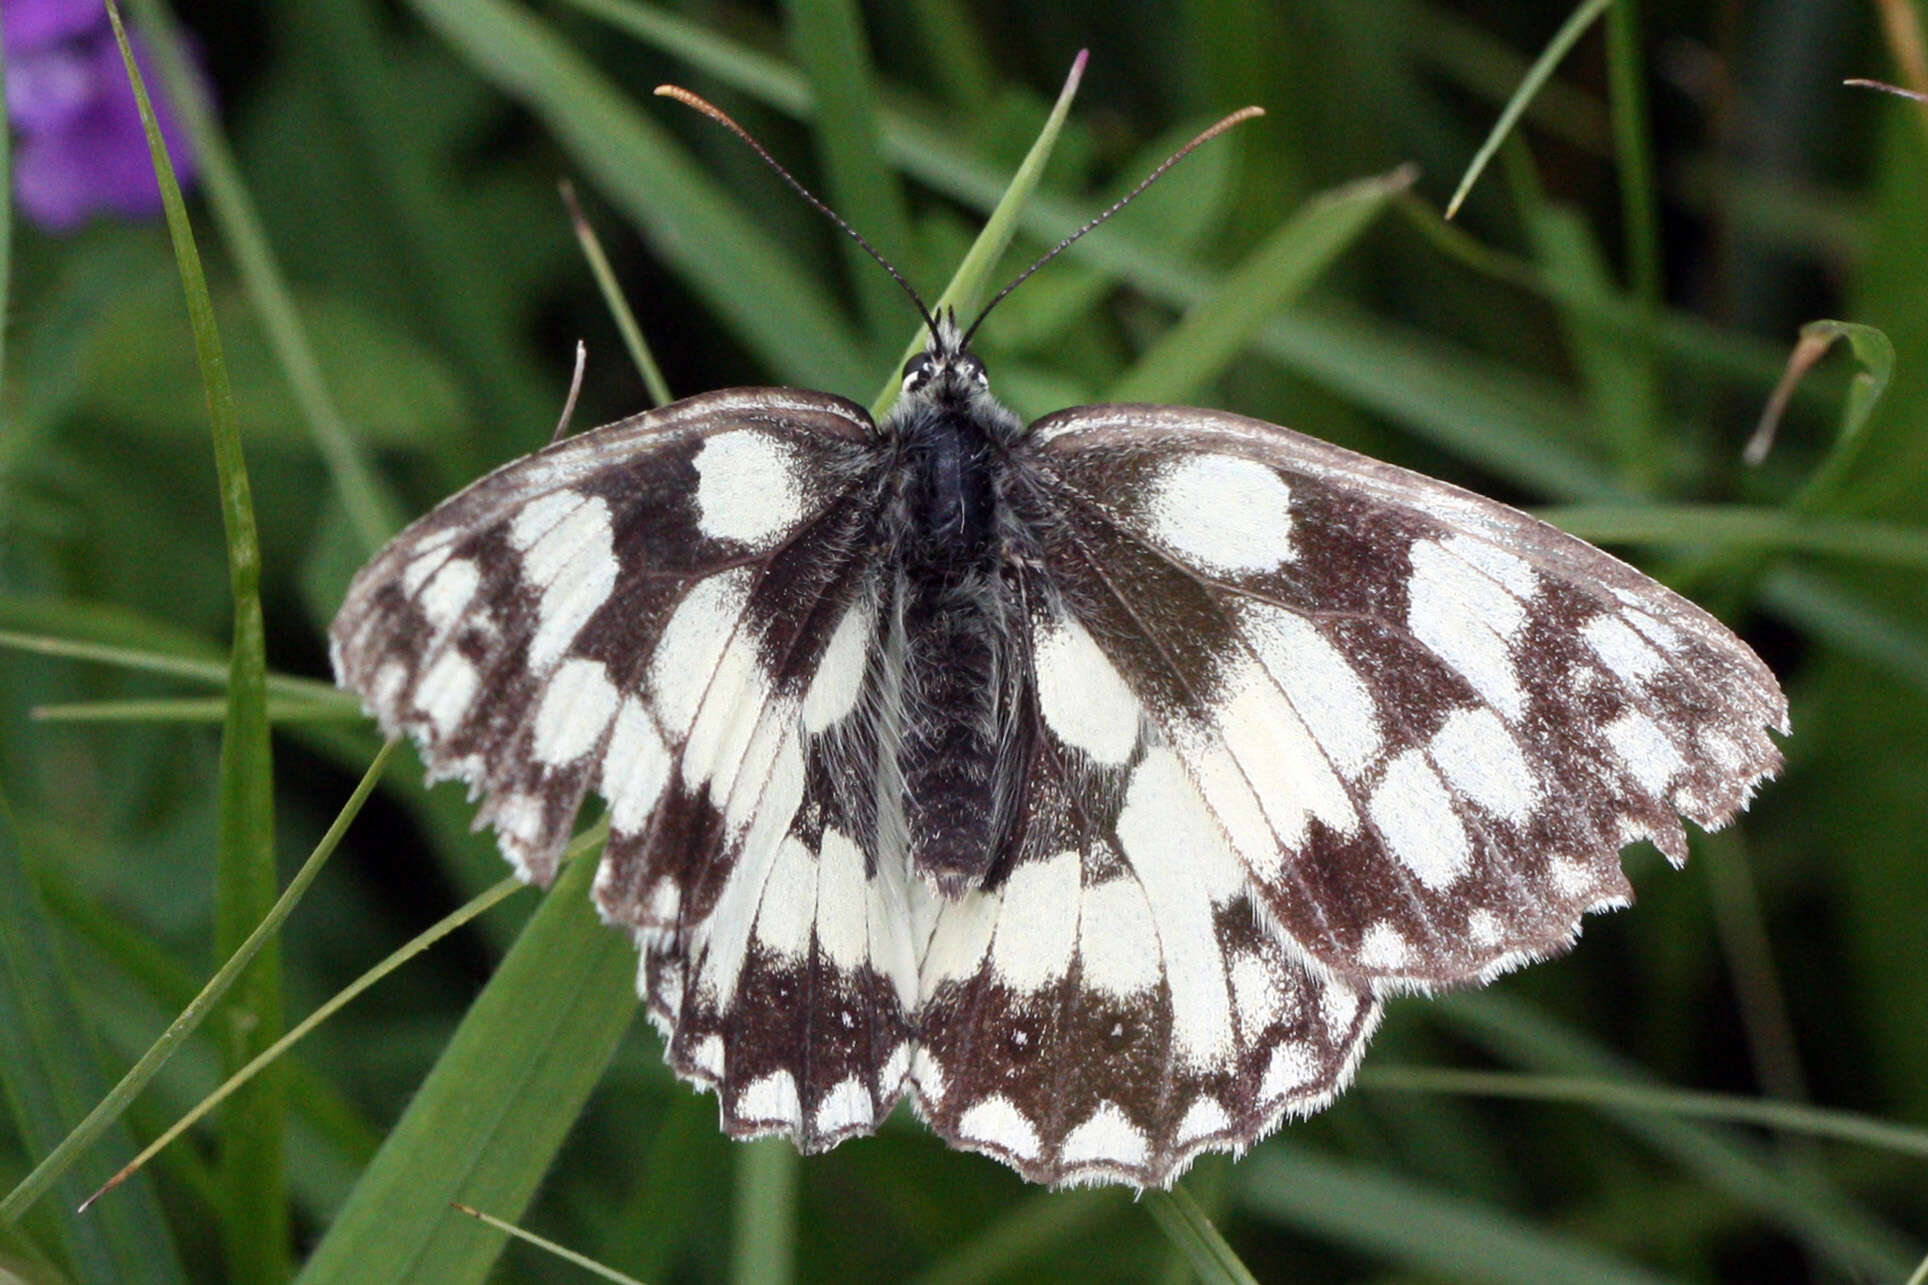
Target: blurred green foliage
x,y
1599,328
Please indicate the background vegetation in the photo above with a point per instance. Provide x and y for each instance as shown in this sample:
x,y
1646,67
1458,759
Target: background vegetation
x,y
398,293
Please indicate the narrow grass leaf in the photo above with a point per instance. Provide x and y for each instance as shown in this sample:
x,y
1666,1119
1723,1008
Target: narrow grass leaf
x,y
1850,620
778,310
547,1246
1268,279
1744,1171
1743,527
253,1206
1537,75
614,300
1784,1117
970,284
192,710
828,39
373,511
50,1071
1621,380
490,1116
465,913
1633,152
1180,1218
1426,1231
109,1109
1876,354
288,687
763,1233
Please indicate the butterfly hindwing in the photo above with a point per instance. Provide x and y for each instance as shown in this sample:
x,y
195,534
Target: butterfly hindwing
x,y
1426,722
1110,1003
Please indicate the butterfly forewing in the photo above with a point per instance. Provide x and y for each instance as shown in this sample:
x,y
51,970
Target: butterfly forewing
x,y
1426,722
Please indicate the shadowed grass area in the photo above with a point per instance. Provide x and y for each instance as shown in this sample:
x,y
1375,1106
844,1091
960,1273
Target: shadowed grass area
x,y
1723,1083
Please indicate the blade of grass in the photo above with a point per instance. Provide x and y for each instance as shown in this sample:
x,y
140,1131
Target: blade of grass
x,y
49,1170
1268,279
1740,526
1180,1218
547,1246
253,1208
489,1117
1849,620
469,910
191,710
1429,1232
288,687
763,1232
1639,203
50,1070
779,310
613,299
970,284
1563,40
1744,1171
827,37
373,511
1876,354
1781,1116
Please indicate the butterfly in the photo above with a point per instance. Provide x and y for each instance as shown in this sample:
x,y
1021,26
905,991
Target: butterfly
x,y
1090,782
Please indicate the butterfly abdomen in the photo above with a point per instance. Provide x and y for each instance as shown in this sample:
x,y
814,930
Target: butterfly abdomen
x,y
961,667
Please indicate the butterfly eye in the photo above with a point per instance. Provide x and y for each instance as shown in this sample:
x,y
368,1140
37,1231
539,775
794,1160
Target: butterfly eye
x,y
975,369
916,371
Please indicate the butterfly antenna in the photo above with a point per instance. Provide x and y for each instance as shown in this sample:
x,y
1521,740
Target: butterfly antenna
x,y
1238,117
717,114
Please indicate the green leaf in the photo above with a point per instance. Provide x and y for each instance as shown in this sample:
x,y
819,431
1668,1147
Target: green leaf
x,y
1735,526
1267,280
486,1122
50,1070
253,1205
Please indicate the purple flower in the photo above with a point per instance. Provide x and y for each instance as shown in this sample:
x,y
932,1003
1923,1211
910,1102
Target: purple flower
x,y
80,148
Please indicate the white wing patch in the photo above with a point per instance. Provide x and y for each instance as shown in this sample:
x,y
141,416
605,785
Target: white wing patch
x,y
1081,694
747,488
1228,513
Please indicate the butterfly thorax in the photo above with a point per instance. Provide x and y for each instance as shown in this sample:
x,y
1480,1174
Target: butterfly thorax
x,y
956,616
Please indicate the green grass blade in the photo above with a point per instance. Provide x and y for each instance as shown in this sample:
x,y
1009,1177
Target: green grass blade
x,y
193,710
547,1246
1876,354
1782,1116
288,687
764,1230
1745,1172
374,513
253,1205
469,910
615,301
1426,1231
1537,75
50,1071
110,1107
1268,279
1741,527
828,39
1180,1218
970,285
699,232
1633,153
486,1122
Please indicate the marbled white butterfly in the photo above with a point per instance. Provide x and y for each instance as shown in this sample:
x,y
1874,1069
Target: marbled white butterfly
x,y
1090,781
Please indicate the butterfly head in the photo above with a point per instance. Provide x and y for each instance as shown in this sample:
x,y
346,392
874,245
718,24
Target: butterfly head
x,y
947,370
